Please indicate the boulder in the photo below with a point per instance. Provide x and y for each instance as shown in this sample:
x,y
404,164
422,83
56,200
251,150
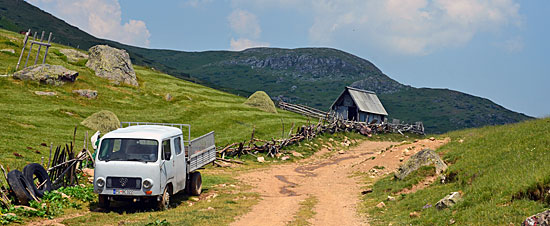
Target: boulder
x,y
112,64
425,157
88,93
261,159
542,218
47,74
448,201
73,55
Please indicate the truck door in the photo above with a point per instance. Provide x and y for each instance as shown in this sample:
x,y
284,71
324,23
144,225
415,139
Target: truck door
x,y
167,164
180,163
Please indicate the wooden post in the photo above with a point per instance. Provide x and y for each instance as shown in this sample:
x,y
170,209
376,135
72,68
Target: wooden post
x,y
23,49
50,158
30,49
39,47
47,48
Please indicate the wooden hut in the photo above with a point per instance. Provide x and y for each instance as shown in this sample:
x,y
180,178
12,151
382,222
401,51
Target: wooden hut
x,y
359,105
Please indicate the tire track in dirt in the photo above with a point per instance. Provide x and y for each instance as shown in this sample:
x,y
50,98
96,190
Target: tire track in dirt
x,y
283,187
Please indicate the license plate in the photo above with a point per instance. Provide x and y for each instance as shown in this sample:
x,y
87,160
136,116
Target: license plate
x,y
122,192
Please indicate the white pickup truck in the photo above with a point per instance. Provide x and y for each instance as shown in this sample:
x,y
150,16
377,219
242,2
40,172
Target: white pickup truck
x,y
150,162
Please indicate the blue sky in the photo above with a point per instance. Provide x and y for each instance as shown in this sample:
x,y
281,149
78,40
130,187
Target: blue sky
x,y
497,49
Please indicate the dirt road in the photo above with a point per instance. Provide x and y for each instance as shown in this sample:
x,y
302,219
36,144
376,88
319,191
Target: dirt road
x,y
329,180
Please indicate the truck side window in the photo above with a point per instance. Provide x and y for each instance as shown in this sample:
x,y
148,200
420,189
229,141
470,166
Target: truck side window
x,y
177,145
166,150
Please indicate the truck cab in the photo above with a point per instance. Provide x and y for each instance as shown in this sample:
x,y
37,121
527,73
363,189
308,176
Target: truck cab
x,y
150,161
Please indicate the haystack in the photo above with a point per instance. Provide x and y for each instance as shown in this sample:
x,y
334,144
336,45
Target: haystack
x,y
262,101
104,121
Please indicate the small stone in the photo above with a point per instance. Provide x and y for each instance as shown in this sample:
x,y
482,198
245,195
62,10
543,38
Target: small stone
x,y
366,191
196,199
210,208
448,201
406,153
168,97
88,93
452,221
331,140
460,141
381,205
341,152
401,159
190,204
432,138
44,93
261,159
391,198
414,214
297,154
285,158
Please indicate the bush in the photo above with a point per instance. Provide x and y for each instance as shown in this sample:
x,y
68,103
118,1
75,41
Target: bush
x,y
262,101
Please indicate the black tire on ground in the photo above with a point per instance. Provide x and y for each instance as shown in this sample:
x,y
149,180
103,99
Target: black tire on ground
x,y
38,176
195,187
20,186
164,202
103,202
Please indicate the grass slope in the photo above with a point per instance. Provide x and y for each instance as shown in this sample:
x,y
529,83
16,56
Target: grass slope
x,y
494,166
29,120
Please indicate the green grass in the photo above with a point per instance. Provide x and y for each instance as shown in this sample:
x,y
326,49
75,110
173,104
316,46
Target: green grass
x,y
305,212
494,166
29,120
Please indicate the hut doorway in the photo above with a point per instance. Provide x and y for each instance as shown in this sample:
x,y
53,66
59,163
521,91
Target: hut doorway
x,y
352,113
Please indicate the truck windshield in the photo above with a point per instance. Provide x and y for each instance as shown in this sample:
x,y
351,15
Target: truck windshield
x,y
115,149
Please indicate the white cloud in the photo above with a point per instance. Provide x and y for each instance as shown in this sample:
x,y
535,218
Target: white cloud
x,y
243,43
244,23
101,18
409,27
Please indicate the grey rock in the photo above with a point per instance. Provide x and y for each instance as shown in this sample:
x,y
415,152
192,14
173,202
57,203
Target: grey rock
x,y
542,219
73,55
44,93
88,93
425,157
113,64
448,201
168,97
47,74
8,51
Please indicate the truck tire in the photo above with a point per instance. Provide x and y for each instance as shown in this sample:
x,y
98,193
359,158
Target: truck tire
x,y
21,187
35,170
195,187
164,202
104,202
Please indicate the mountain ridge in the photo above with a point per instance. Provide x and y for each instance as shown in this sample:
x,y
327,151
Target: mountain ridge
x,y
310,76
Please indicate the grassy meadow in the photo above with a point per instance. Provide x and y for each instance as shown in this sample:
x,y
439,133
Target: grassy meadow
x,y
29,120
497,169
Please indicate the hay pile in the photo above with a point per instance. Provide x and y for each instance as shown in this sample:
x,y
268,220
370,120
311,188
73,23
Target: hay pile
x,y
262,101
104,121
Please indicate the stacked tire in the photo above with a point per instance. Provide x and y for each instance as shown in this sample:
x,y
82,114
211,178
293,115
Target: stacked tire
x,y
33,182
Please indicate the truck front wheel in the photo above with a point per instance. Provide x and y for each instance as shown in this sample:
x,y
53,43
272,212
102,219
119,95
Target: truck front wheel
x,y
164,201
104,202
196,183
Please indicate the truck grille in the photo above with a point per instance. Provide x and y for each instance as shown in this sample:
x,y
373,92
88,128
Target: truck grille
x,y
124,182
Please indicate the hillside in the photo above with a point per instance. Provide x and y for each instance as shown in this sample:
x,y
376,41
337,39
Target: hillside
x,y
501,171
310,76
29,120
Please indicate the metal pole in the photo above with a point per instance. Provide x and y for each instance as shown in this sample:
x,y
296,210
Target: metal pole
x,y
47,48
23,49
39,47
30,49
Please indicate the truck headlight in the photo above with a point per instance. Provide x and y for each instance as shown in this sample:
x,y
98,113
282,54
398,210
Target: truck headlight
x,y
147,183
100,182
